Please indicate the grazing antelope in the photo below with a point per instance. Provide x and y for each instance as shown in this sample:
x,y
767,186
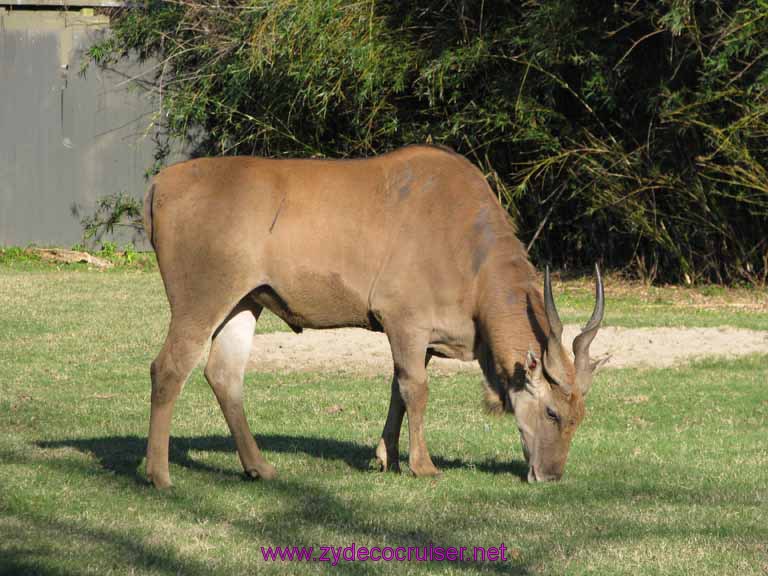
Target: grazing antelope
x,y
412,243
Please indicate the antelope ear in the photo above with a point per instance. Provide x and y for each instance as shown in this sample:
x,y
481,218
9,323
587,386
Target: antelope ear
x,y
584,378
532,363
533,379
597,365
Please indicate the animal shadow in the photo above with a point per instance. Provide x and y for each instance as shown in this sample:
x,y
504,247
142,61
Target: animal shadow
x,y
123,455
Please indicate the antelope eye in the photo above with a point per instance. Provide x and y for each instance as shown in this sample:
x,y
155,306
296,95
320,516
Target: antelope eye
x,y
552,415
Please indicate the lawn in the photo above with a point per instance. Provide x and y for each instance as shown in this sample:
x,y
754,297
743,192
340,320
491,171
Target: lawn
x,y
668,474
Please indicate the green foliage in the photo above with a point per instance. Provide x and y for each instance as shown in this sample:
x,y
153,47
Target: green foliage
x,y
115,210
17,255
631,133
129,253
127,256
108,250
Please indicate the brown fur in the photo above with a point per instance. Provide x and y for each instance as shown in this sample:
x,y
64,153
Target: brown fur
x,y
413,243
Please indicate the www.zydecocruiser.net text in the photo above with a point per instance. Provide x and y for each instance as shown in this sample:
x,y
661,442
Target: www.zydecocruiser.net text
x,y
355,553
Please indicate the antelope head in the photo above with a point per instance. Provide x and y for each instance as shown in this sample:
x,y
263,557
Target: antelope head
x,y
550,406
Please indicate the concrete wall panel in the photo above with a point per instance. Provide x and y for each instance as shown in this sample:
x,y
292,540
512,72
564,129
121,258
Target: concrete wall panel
x,y
66,138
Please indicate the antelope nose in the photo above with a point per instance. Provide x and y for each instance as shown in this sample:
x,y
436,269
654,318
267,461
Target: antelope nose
x,y
534,476
549,477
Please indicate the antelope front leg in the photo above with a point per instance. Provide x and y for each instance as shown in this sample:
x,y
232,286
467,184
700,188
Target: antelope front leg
x,y
409,353
414,390
388,450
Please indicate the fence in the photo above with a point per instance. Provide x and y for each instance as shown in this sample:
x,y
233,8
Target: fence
x,y
66,137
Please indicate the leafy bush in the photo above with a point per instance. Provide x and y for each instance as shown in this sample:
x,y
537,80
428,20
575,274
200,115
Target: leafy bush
x,y
111,252
631,133
16,254
112,211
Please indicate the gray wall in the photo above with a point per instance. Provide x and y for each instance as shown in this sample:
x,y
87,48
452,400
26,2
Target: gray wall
x,y
65,139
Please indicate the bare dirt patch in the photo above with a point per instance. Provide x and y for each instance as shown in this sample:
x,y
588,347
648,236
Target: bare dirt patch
x,y
360,351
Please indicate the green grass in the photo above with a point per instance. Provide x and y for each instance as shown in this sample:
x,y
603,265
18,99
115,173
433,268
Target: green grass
x,y
668,474
634,305
628,304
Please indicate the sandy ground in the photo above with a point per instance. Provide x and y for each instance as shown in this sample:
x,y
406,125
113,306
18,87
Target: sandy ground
x,y
360,351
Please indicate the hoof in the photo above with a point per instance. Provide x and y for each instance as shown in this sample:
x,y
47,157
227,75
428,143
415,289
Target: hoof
x,y
425,471
382,466
263,471
384,461
160,481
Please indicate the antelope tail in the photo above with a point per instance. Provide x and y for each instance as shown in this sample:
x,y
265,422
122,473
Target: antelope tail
x,y
148,209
